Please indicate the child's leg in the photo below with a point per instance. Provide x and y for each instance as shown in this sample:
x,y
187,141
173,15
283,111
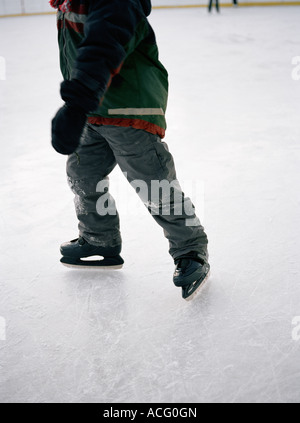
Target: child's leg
x,y
146,161
92,163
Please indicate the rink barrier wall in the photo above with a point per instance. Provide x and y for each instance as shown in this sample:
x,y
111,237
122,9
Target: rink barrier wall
x,y
171,6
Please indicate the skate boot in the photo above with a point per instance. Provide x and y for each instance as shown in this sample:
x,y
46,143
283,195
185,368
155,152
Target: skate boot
x,y
191,273
77,252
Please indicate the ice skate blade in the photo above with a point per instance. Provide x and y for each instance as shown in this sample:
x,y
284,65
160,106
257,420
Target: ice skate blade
x,y
107,263
197,291
94,267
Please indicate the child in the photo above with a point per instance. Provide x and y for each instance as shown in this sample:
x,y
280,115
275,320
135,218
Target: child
x,y
115,91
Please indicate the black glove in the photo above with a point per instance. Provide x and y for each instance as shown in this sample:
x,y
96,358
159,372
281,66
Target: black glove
x,y
67,128
70,120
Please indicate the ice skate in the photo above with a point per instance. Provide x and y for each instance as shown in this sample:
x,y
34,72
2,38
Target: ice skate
x,y
78,253
190,274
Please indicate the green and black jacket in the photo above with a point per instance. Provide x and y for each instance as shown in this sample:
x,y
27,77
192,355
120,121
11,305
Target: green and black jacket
x,y
110,47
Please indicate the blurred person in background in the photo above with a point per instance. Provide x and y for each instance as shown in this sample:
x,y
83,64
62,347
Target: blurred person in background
x,y
211,3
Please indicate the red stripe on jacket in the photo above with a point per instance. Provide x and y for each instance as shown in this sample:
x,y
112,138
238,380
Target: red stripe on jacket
x,y
80,9
135,123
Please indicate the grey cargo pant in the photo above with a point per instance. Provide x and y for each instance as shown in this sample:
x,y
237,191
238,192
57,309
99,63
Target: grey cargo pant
x,y
142,157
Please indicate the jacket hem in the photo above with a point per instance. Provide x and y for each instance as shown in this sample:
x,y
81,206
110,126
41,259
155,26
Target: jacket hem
x,y
134,123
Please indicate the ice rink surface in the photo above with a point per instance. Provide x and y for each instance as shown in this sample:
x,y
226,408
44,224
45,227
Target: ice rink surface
x,y
127,336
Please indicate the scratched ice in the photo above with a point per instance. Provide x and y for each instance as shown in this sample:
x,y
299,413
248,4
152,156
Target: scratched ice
x,y
128,336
